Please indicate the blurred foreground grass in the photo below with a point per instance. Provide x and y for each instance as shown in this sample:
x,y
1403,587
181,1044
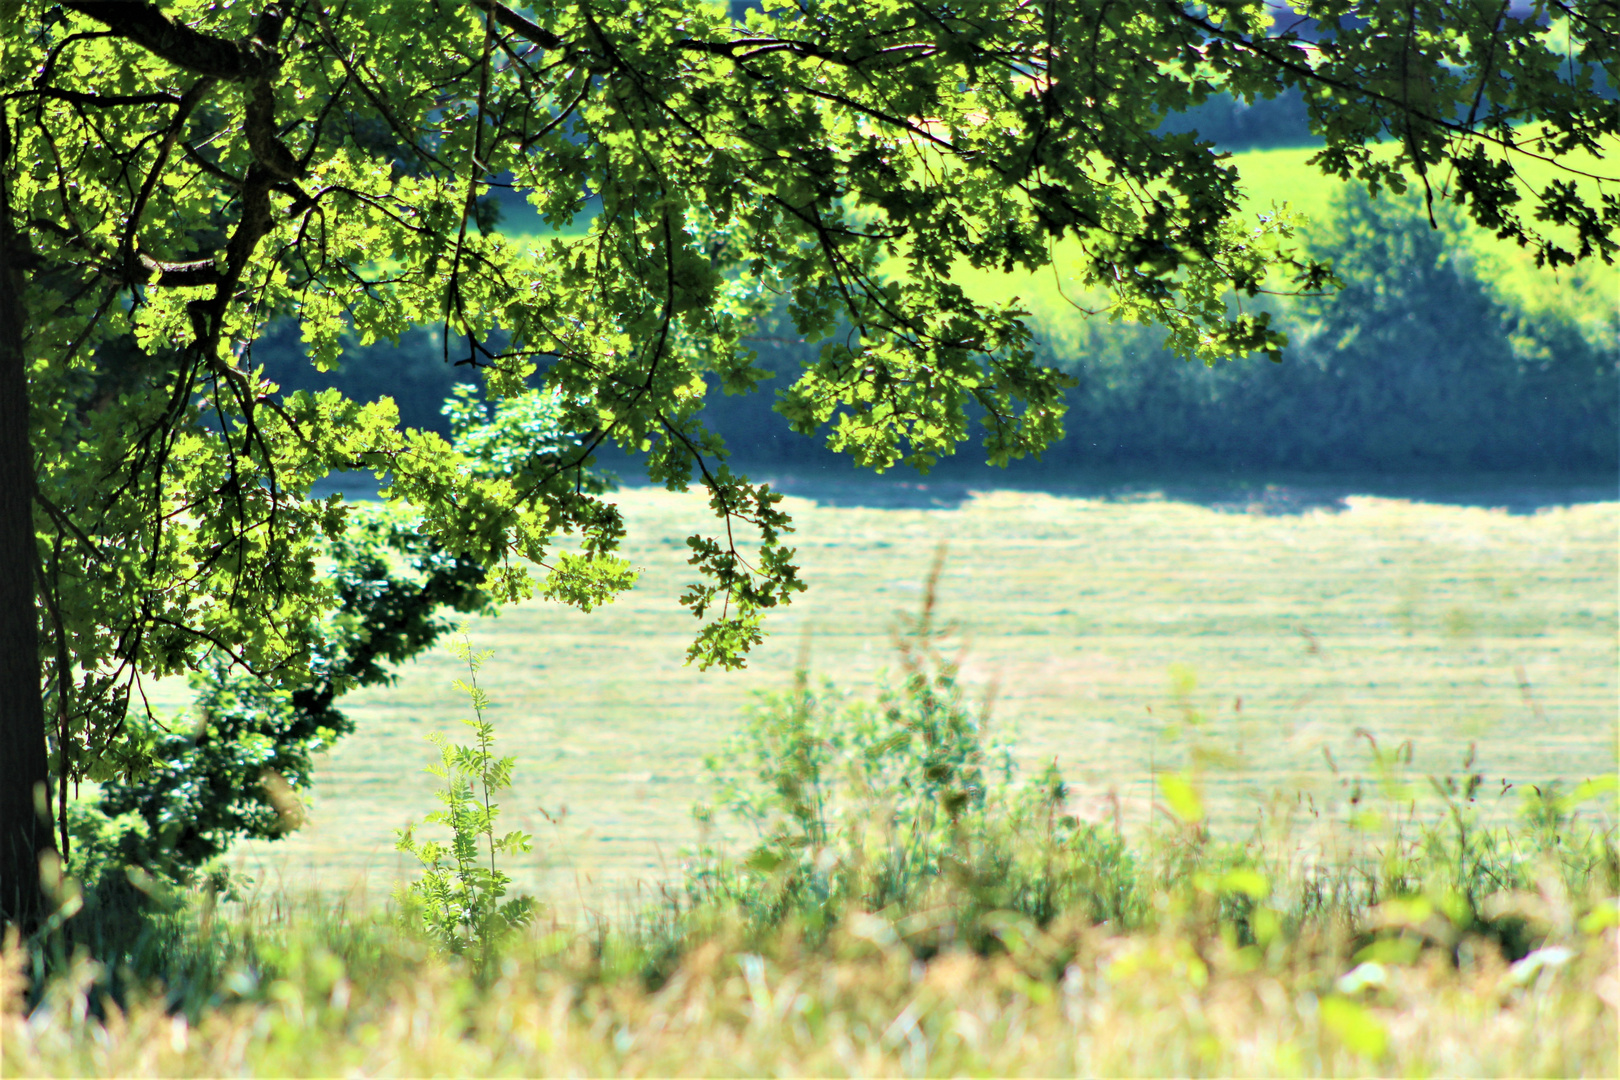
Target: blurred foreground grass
x,y
1164,1003
1100,626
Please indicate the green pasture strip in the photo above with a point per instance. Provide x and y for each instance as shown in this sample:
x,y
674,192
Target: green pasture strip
x,y
1279,177
1100,626
1283,175
1274,177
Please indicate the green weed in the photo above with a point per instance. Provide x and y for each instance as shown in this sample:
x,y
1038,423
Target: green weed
x,y
458,899
905,808
902,818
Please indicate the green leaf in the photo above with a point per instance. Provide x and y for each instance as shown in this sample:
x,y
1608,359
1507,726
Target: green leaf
x,y
1248,882
1181,798
764,860
1354,1026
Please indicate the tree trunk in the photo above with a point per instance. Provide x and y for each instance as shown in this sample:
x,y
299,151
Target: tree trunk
x,y
25,827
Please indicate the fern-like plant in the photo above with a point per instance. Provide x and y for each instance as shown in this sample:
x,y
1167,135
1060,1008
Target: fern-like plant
x,y
459,899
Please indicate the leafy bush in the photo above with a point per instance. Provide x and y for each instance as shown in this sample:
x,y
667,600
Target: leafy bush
x,y
237,769
514,436
905,806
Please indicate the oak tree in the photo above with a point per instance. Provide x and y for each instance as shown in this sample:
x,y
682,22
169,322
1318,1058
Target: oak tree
x,y
179,175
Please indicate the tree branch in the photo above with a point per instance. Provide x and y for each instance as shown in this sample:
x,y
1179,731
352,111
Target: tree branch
x,y
102,101
520,26
192,274
180,45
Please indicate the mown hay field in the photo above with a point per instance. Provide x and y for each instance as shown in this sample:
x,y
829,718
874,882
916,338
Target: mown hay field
x,y
1099,624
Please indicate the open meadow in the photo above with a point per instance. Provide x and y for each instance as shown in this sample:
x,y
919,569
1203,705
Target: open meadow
x,y
1285,622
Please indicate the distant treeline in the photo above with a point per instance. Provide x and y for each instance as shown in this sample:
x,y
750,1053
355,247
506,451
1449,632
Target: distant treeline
x,y
1419,364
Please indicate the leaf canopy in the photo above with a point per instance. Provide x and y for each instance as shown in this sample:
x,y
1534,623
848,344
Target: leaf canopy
x,y
180,175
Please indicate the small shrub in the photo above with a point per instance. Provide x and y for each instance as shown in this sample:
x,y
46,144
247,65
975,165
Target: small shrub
x,y
907,806
458,899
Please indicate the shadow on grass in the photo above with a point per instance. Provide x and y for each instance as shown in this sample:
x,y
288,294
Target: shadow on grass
x,y
1247,493
1228,492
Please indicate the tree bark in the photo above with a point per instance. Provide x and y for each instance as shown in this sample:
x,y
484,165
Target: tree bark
x,y
25,831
